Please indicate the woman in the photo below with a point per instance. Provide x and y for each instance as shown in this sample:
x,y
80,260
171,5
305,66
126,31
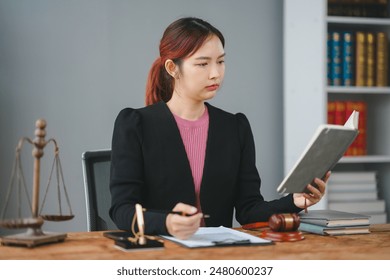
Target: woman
x,y
180,153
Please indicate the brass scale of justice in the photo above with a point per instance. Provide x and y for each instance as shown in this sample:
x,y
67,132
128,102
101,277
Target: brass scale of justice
x,y
34,235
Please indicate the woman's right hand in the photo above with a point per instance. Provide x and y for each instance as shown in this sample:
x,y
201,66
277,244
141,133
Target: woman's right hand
x,y
183,227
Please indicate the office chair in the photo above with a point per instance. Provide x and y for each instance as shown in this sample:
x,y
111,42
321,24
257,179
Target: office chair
x,y
96,173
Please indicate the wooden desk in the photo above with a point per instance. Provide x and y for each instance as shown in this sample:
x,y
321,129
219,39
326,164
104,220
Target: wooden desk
x,y
93,246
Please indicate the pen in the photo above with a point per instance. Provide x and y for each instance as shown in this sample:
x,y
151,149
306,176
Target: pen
x,y
181,213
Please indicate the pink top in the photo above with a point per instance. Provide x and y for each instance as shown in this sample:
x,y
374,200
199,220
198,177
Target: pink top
x,y
194,136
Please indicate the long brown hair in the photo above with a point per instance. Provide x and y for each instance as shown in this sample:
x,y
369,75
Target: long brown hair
x,y
181,39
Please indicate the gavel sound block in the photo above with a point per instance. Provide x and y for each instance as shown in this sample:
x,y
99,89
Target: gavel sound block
x,y
280,227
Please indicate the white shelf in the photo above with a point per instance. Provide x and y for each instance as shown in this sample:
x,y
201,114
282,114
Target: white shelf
x,y
358,90
365,159
358,20
306,92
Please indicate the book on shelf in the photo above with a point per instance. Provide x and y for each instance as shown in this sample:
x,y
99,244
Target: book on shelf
x,y
359,184
328,59
356,192
347,59
335,58
360,58
326,147
357,58
382,59
359,146
358,8
362,207
353,177
337,112
370,59
352,196
352,187
323,230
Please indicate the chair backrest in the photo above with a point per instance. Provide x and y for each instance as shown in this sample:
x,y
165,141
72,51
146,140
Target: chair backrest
x,y
96,173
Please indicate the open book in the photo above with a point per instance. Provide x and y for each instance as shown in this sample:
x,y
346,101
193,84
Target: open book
x,y
328,144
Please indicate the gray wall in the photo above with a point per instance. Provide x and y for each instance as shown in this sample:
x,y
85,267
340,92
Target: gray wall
x,y
76,63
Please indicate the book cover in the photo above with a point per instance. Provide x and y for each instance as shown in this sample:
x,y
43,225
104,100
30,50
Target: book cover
x,y
332,218
370,59
360,59
347,74
327,146
335,61
382,59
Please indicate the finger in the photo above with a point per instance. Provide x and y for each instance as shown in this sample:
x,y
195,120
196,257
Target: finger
x,y
185,208
321,185
184,231
327,176
315,193
185,234
186,220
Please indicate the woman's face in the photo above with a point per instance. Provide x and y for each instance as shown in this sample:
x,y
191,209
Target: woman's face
x,y
202,73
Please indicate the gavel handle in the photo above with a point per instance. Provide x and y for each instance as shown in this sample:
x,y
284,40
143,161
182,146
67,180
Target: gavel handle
x,y
256,225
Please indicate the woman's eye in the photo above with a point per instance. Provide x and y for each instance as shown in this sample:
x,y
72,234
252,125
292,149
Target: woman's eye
x,y
221,62
202,64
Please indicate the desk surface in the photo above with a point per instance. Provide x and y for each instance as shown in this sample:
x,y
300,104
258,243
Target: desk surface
x,y
93,246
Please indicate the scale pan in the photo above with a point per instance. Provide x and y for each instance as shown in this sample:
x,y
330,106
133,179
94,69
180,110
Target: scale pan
x,y
56,218
21,223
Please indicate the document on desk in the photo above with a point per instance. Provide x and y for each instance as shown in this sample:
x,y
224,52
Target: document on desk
x,y
219,236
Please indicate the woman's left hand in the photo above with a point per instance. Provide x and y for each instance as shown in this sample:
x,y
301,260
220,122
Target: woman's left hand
x,y
303,200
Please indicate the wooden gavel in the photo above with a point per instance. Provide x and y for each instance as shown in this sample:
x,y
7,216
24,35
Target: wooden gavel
x,y
278,223
284,222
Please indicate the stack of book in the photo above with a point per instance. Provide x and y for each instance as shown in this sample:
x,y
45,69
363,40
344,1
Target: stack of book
x,y
356,192
330,222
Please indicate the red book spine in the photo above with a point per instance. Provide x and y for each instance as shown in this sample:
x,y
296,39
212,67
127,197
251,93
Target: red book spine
x,y
359,146
331,112
339,113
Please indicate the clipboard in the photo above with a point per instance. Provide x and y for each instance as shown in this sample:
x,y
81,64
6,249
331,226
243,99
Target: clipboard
x,y
219,237
327,146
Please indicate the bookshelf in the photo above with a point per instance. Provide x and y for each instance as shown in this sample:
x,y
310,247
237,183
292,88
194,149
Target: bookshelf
x,y
306,91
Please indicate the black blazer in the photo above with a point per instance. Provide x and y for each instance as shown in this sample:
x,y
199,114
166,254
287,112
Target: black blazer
x,y
149,166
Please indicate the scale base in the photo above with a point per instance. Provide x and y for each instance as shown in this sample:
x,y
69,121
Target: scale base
x,y
32,238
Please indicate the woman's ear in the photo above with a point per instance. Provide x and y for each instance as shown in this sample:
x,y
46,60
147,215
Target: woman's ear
x,y
171,68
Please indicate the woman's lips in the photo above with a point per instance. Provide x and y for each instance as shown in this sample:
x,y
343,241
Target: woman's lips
x,y
212,87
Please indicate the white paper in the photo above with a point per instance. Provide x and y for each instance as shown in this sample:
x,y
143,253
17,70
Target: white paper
x,y
207,236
